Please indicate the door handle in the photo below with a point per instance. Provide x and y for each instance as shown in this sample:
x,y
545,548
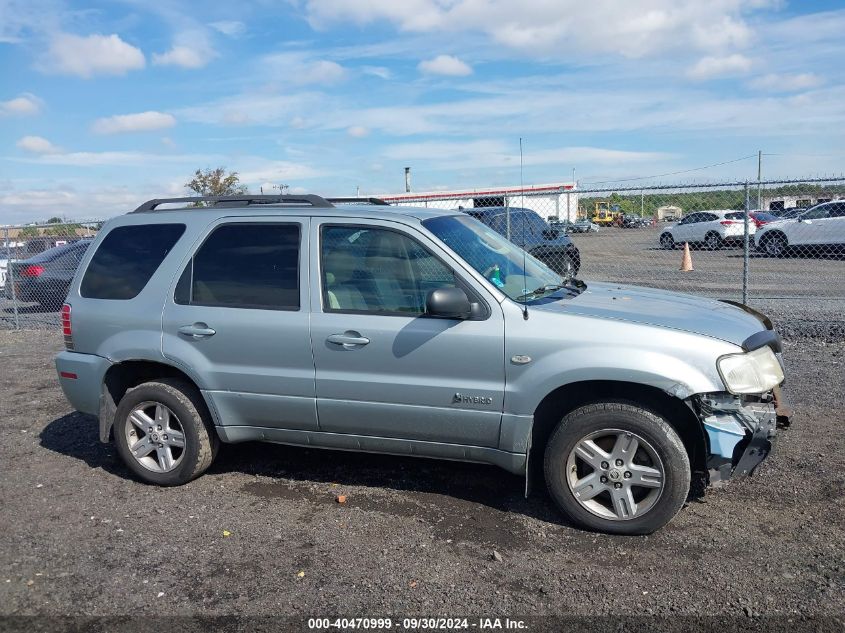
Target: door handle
x,y
349,339
197,330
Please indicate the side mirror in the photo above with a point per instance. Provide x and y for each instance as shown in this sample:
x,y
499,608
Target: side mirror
x,y
448,303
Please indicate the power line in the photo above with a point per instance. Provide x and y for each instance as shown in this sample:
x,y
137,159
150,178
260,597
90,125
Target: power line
x,y
672,173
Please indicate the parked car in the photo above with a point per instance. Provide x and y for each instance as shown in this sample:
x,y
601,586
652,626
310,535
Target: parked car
x,y
412,331
528,230
628,221
820,228
578,226
714,229
45,277
761,217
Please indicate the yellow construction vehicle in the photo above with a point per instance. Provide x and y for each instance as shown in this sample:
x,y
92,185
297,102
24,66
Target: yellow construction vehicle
x,y
606,214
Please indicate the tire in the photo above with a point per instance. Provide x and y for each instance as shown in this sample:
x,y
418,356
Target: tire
x,y
667,241
563,264
659,463
180,409
713,241
774,245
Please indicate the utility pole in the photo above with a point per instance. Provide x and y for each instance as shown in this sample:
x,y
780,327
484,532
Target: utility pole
x,y
283,189
759,177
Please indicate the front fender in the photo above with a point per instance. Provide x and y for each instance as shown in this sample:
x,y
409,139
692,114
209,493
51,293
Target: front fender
x,y
677,362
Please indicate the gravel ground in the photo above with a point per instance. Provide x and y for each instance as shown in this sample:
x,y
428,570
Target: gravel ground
x,y
261,533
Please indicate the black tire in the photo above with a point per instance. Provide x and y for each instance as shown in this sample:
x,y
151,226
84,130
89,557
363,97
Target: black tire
x,y
627,420
713,241
667,241
200,439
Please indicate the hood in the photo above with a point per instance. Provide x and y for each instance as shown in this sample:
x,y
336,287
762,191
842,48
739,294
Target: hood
x,y
659,308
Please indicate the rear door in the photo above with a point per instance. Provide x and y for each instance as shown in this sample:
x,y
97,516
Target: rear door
x,y
238,317
384,368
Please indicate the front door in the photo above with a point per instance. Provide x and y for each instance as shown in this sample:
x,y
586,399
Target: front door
x,y
384,368
238,319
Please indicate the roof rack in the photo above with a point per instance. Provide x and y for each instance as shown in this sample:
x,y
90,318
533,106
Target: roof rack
x,y
376,201
237,201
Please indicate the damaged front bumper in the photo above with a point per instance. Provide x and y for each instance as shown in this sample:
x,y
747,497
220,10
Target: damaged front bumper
x,y
740,430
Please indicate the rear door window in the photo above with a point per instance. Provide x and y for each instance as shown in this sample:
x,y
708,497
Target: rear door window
x,y
244,266
127,258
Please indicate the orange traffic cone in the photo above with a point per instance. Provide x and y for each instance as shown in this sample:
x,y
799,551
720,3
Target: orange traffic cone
x,y
686,262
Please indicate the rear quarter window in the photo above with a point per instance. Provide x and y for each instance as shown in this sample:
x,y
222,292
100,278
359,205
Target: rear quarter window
x,y
126,260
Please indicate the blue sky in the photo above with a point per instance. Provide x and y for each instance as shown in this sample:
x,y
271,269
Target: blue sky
x,y
105,104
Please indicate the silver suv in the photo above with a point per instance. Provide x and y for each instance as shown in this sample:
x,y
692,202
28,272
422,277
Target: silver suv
x,y
423,332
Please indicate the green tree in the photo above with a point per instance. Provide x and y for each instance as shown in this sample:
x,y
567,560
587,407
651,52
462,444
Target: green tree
x,y
55,220
62,229
216,182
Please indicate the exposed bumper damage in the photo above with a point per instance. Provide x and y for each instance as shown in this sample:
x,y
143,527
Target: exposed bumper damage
x,y
740,430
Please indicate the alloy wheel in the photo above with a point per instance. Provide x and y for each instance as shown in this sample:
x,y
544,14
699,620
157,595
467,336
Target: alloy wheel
x,y
155,437
615,474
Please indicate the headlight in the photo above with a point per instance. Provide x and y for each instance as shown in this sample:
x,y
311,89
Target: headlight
x,y
754,372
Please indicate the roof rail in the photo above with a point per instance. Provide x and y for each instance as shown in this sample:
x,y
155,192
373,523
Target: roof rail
x,y
355,200
237,200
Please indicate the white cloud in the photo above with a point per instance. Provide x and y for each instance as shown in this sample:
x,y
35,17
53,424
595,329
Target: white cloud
x,y
377,71
540,27
485,153
37,145
301,68
23,105
138,122
92,55
257,171
183,56
232,28
191,49
357,131
787,83
712,67
445,65
90,159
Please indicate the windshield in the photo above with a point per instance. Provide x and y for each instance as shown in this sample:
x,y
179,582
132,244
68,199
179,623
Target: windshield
x,y
497,259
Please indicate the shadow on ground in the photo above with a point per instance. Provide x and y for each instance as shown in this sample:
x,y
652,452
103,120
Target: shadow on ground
x,y
436,484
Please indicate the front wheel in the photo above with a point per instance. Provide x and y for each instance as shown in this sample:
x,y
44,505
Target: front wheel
x,y
667,241
617,468
774,245
163,432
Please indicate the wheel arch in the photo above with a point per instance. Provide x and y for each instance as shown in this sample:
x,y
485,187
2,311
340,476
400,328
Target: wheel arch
x,y
122,376
566,398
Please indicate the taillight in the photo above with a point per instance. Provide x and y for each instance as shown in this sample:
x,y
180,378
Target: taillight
x,y
33,270
67,330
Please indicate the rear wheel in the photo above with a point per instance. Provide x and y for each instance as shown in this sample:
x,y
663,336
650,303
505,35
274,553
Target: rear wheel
x,y
713,241
617,468
667,241
163,432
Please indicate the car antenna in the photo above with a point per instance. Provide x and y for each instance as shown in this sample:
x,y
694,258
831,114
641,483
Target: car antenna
x,y
524,256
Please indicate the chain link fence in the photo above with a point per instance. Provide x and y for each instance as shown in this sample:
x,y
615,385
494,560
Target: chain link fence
x,y
37,263
776,245
757,243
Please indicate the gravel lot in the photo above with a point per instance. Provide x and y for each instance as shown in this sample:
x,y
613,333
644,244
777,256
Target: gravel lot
x,y
262,534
